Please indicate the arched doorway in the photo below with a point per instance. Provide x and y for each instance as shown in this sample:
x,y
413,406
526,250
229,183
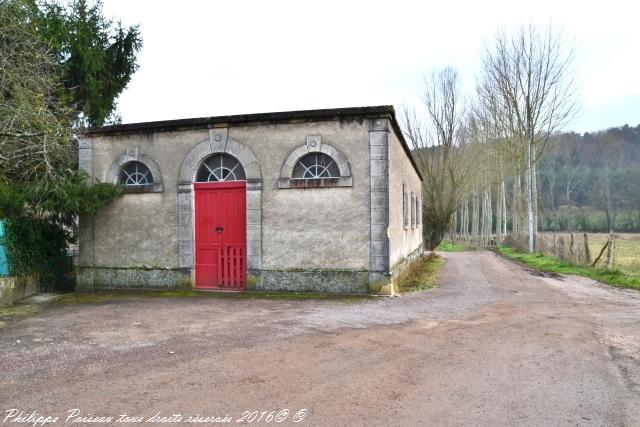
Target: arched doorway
x,y
220,223
219,142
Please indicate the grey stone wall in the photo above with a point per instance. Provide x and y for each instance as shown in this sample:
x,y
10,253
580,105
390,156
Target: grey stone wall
x,y
333,281
95,278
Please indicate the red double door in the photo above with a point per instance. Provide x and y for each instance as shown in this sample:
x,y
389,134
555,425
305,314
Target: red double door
x,y
221,242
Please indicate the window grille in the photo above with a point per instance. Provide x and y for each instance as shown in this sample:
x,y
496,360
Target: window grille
x,y
413,211
315,166
220,167
405,208
135,174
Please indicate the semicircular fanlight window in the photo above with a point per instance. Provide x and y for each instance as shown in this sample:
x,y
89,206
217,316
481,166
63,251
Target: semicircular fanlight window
x,y
134,174
220,167
314,166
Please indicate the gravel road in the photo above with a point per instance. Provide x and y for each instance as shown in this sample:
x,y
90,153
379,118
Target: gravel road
x,y
493,344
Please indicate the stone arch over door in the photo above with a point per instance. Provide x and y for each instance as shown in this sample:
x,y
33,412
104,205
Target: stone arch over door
x,y
219,142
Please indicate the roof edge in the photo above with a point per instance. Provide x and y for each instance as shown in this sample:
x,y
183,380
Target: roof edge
x,y
261,118
255,118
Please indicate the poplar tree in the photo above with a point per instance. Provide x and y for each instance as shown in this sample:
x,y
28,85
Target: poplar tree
x,y
436,133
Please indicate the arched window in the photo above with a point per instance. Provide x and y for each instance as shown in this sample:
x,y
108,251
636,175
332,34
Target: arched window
x,y
314,166
220,167
135,174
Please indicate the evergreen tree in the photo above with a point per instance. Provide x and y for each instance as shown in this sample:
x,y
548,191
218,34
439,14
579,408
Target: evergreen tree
x,y
41,189
98,56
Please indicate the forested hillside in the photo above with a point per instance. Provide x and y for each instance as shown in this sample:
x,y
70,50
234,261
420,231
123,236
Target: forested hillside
x,y
591,178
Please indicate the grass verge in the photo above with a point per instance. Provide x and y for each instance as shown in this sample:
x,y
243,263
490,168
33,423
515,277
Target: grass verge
x,y
105,296
547,263
452,247
420,275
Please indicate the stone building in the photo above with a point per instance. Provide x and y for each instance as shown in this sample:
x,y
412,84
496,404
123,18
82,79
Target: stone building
x,y
319,200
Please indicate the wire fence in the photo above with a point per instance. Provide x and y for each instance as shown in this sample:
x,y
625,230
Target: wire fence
x,y
570,247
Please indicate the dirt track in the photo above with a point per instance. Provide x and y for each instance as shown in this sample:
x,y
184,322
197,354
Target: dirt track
x,y
492,345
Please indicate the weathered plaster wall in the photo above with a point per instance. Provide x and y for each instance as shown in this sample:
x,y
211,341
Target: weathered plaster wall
x,y
402,241
141,229
314,228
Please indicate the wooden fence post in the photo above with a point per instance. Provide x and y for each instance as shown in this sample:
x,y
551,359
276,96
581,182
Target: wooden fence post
x,y
587,254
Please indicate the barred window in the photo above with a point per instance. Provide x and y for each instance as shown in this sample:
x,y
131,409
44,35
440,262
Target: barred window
x,y
405,208
314,166
135,174
220,167
413,211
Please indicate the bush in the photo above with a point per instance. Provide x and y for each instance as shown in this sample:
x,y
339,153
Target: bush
x,y
39,247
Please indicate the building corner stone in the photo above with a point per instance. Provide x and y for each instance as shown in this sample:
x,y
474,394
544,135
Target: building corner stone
x,y
379,213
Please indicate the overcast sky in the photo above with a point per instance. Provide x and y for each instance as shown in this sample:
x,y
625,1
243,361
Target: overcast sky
x,y
207,58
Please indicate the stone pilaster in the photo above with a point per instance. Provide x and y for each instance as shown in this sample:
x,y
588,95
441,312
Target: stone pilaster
x,y
379,160
85,222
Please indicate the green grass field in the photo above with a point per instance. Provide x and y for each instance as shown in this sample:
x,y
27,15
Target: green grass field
x,y
627,251
615,277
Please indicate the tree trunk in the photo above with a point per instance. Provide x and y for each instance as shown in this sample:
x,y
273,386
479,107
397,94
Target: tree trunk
x,y
514,208
552,185
534,183
609,203
481,223
499,215
454,226
504,208
610,252
529,192
489,217
466,219
476,214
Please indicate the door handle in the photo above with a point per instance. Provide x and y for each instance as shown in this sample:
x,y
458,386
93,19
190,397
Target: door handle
x,y
219,229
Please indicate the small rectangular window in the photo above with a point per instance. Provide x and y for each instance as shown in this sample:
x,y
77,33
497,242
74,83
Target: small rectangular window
x,y
418,209
413,211
405,208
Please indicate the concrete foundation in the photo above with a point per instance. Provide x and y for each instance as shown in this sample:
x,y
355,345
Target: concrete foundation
x,y
96,278
13,289
333,281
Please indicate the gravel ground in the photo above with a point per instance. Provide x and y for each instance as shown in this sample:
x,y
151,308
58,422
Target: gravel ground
x,y
493,344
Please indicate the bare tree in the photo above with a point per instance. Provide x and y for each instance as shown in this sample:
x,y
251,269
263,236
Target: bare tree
x,y
437,136
35,132
528,80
